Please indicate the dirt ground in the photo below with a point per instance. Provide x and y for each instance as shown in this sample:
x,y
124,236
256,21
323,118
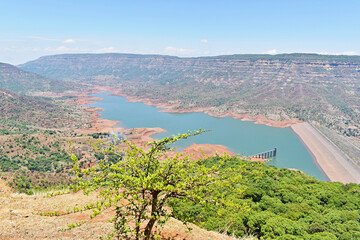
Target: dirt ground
x,y
20,219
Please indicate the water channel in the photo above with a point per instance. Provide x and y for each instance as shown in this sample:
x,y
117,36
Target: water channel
x,y
240,137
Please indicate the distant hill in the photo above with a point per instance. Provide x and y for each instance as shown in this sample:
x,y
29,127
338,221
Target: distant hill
x,y
17,80
157,68
92,67
312,87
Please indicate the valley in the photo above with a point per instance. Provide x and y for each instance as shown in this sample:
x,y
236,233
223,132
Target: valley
x,y
68,100
180,120
320,89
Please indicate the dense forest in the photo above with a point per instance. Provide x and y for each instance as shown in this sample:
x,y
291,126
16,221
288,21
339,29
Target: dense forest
x,y
273,203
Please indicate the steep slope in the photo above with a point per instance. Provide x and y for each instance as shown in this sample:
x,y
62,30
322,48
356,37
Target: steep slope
x,y
17,80
18,110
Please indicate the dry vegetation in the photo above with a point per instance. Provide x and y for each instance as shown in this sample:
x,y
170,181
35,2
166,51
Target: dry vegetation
x,y
21,114
20,218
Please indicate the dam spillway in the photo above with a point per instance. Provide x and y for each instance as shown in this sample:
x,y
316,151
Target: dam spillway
x,y
267,154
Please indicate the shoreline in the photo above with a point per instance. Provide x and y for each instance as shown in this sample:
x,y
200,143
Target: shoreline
x,y
198,150
139,136
330,161
326,156
313,157
170,108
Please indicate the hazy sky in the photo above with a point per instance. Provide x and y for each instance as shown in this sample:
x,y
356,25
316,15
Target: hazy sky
x,y
33,28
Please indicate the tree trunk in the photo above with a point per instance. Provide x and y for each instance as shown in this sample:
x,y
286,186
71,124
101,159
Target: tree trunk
x,y
154,215
137,227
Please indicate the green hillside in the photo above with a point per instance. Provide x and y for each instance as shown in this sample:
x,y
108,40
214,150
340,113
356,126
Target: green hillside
x,y
282,204
34,132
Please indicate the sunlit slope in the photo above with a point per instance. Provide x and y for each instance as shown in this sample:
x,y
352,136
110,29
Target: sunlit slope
x,y
314,87
19,111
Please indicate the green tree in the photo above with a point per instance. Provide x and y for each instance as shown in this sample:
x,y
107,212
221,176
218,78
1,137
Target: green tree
x,y
141,183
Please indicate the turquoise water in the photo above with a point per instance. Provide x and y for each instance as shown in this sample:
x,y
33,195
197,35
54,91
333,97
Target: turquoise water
x,y
244,138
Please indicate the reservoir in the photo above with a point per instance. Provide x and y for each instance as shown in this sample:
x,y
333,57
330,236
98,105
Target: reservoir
x,y
240,137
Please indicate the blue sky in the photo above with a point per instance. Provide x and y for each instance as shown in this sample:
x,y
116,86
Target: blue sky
x,y
30,29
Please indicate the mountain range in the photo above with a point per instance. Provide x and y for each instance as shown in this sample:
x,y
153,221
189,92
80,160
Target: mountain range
x,y
312,87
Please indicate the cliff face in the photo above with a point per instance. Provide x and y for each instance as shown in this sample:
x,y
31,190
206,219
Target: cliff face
x,y
322,88
233,70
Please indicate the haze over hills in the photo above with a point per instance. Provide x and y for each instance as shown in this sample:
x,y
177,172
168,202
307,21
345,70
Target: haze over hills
x,y
17,80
